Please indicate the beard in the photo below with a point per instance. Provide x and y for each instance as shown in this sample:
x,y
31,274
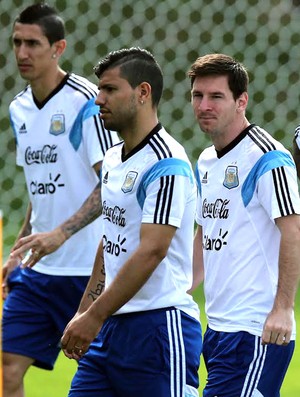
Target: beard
x,y
123,118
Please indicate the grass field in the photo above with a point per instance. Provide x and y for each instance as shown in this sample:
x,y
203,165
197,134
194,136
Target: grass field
x,y
40,383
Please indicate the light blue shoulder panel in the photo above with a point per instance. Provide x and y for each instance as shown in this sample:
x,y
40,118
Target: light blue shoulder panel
x,y
269,161
88,110
164,167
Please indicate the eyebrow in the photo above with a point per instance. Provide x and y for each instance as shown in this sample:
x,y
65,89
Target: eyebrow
x,y
26,41
209,93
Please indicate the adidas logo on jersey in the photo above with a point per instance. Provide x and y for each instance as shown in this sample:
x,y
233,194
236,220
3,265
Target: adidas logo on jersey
x,y
105,178
205,178
23,129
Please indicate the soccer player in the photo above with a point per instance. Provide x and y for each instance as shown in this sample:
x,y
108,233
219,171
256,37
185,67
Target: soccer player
x,y
150,335
248,235
61,142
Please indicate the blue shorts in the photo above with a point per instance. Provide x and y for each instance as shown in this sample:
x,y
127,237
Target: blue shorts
x,y
36,312
146,354
239,366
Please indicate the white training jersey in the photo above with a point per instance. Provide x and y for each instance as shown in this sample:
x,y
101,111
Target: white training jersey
x,y
58,142
152,184
242,190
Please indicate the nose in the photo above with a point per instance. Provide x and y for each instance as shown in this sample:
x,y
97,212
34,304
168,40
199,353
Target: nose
x,y
204,103
21,51
99,99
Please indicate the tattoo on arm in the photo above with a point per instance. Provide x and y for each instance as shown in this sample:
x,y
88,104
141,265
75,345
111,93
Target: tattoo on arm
x,y
99,288
93,294
89,211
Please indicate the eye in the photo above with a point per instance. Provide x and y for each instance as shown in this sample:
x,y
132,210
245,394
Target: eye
x,y
108,89
16,42
32,43
217,96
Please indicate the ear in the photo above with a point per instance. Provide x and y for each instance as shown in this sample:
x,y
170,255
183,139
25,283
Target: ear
x,y
242,102
144,92
59,48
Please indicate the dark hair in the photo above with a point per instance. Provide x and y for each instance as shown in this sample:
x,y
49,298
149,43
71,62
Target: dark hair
x,y
47,18
221,65
137,65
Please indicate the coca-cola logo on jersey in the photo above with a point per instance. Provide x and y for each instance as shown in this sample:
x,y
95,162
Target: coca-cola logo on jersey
x,y
47,154
114,214
218,209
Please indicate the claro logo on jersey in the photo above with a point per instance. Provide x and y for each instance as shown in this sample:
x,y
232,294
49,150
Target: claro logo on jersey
x,y
215,243
46,187
45,155
114,214
114,247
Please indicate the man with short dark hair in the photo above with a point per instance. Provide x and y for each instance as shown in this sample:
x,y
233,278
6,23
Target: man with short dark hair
x,y
149,342
247,242
61,141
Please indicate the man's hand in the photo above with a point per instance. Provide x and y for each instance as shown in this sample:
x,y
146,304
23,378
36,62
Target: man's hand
x,y
8,267
38,245
278,327
79,334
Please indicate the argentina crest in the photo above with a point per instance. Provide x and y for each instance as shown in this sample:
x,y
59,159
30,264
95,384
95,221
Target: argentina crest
x,y
231,179
129,181
57,125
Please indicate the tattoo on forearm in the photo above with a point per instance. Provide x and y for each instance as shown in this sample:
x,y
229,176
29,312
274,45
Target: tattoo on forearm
x,y
90,210
93,294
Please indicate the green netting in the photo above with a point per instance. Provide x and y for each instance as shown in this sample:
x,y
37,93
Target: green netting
x,y
263,34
